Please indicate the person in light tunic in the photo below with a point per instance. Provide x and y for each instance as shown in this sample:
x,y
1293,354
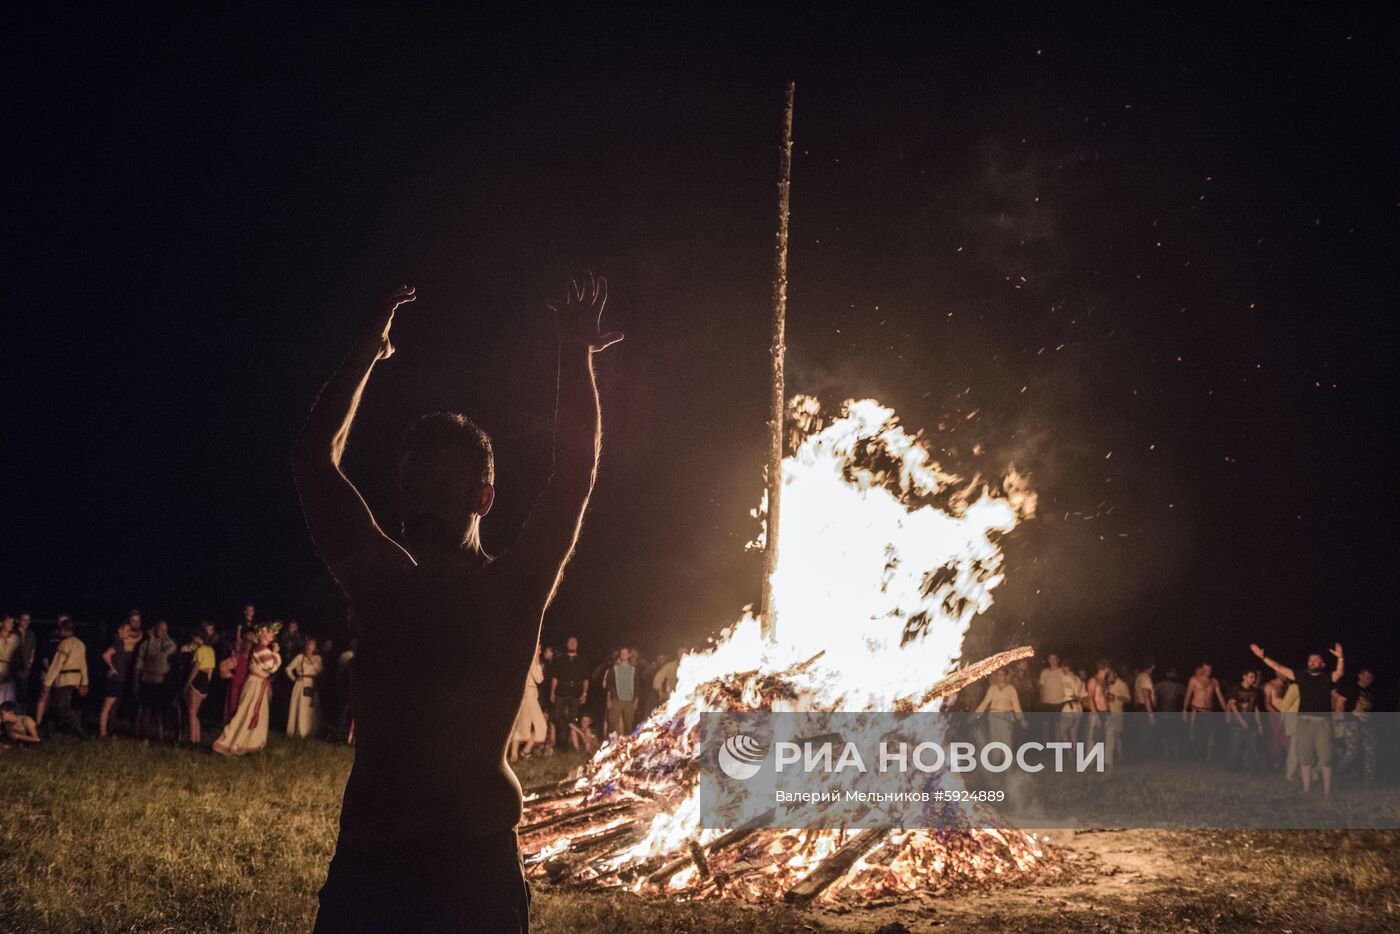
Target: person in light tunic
x,y
530,726
1004,705
247,731
427,825
67,673
304,707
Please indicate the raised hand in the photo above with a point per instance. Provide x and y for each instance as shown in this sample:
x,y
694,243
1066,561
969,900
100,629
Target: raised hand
x,y
1256,650
400,296
1336,650
579,317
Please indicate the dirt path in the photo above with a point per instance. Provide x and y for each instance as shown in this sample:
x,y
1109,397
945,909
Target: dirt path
x,y
1137,880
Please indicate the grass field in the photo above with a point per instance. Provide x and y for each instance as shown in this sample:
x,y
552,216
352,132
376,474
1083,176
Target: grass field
x,y
119,836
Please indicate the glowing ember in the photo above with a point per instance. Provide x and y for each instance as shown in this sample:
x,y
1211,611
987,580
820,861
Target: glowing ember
x,y
885,560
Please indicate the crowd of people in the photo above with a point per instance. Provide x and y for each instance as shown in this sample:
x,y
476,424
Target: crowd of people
x,y
566,697
243,678
139,680
260,672
1283,719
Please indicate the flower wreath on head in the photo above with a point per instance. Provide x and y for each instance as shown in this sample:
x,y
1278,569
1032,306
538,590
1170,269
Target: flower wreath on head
x,y
256,628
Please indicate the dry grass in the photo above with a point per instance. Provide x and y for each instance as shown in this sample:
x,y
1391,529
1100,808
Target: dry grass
x,y
118,836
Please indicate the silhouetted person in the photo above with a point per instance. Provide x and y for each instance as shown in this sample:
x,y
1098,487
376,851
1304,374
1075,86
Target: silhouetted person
x,y
427,824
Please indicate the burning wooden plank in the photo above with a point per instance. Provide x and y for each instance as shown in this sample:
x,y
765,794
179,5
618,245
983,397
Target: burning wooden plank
x,y
606,808
965,676
834,866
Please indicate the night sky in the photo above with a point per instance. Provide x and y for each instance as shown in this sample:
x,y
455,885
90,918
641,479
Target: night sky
x,y
1153,255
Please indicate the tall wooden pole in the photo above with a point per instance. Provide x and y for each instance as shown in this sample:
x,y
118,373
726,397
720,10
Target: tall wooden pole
x,y
778,402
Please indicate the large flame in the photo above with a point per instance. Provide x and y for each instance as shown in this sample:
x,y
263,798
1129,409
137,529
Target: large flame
x,y
884,560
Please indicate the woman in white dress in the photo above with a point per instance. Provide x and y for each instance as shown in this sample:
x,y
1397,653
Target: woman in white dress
x,y
247,731
9,651
529,722
304,712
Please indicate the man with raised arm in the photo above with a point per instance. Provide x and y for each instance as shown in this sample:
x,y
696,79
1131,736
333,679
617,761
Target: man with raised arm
x,y
1312,736
427,824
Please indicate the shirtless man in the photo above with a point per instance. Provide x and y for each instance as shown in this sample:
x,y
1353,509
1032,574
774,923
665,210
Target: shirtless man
x,y
1274,689
427,824
1097,704
1202,692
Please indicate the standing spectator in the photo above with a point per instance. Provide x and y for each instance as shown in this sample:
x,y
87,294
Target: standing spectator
x,y
1277,748
117,658
246,731
201,676
568,686
1144,701
24,662
1004,704
1096,687
17,727
620,686
67,672
1071,704
234,671
529,722
1169,696
1202,691
1027,692
153,679
290,643
1361,728
1245,725
1118,698
1052,693
345,672
9,657
551,734
304,711
663,682
1312,736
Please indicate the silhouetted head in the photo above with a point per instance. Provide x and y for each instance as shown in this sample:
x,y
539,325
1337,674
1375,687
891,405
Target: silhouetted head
x,y
1053,660
571,644
1315,662
1365,677
447,476
249,612
162,629
1250,679
310,648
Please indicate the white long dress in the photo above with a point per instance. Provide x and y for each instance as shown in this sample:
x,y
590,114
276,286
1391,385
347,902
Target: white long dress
x,y
9,651
247,731
304,712
529,722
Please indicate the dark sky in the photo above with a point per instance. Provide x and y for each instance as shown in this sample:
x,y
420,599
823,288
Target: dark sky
x,y
1154,255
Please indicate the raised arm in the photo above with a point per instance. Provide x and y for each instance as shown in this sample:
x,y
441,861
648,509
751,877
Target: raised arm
x,y
340,521
549,535
1281,669
1340,669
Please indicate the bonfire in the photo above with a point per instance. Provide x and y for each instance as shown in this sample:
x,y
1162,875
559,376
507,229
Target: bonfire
x,y
886,561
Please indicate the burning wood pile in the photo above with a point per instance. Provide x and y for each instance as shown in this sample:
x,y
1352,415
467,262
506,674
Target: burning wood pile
x,y
886,560
594,830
